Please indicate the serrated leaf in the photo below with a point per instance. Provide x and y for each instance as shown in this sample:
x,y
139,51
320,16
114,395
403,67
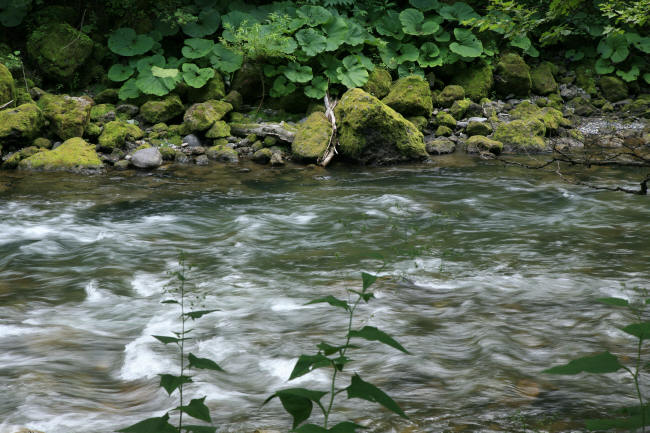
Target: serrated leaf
x,y
414,23
352,73
197,409
198,314
119,72
408,53
390,25
371,333
360,389
311,41
367,280
151,85
166,340
170,382
614,48
297,73
126,42
151,425
466,45
297,402
599,364
337,32
207,23
639,330
203,363
307,364
196,48
333,301
429,55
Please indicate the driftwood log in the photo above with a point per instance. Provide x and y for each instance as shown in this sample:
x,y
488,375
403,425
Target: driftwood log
x,y
331,146
281,131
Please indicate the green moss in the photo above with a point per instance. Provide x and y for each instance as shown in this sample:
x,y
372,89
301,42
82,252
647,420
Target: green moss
x,y
613,89
93,131
59,49
581,106
73,155
555,101
14,160
312,138
167,152
262,156
251,138
410,96
543,81
142,146
443,131
214,89
512,76
223,153
42,142
234,98
218,130
101,112
162,110
550,117
478,128
445,119
68,115
7,88
640,106
478,143
476,80
585,79
370,131
270,141
107,96
116,133
235,117
458,108
420,122
450,94
522,135
577,135
200,117
20,124
379,82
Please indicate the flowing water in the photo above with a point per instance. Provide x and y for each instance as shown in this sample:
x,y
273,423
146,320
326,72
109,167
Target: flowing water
x,y
489,277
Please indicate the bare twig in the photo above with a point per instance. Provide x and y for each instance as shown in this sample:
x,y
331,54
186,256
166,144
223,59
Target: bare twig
x,y
81,25
326,158
6,105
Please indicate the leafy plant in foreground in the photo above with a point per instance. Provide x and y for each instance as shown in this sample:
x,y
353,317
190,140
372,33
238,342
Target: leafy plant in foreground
x,y
299,402
605,362
171,383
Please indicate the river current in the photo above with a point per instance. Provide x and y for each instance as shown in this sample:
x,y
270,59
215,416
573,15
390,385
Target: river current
x,y
488,275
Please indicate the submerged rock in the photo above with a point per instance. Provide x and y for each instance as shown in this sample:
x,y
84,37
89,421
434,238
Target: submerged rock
x,y
410,96
372,132
68,115
149,157
72,155
312,138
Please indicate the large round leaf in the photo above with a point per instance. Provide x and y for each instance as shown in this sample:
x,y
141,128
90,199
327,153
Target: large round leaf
x,y
414,23
196,48
129,90
352,73
318,88
159,72
356,34
337,32
159,86
311,41
196,77
521,41
225,59
408,53
390,25
429,55
330,65
425,5
630,75
459,11
614,47
119,72
145,64
314,15
282,87
388,54
604,66
297,73
207,23
126,42
466,45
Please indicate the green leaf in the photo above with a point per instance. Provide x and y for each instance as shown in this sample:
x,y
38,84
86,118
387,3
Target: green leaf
x,y
200,313
601,363
521,41
630,75
616,302
639,330
119,72
145,64
442,36
297,402
318,88
642,44
171,382
425,5
126,42
429,55
207,23
282,87
368,280
408,53
390,25
166,340
197,409
159,72
307,364
225,60
314,15
414,23
152,85
531,51
197,77
357,35
199,428
196,48
459,11
365,296
352,73
328,349
604,67
646,77
297,73
311,41
360,389
333,301
371,333
467,44
337,32
151,425
129,90
574,55
632,422
614,47
203,363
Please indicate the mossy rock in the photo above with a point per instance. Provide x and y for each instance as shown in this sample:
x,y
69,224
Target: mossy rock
x,y
200,117
93,131
512,76
440,146
379,83
116,133
522,135
235,99
7,87
480,143
312,138
262,156
550,117
459,107
555,100
14,160
162,110
270,141
639,107
73,155
581,106
372,132
223,153
420,122
68,115
443,131
614,89
477,80
107,96
450,94
543,81
410,96
445,119
585,79
102,113
478,128
213,89
43,143
247,81
220,129
59,49
21,124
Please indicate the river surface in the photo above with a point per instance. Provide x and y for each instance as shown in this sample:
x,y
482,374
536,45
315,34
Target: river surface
x,y
489,277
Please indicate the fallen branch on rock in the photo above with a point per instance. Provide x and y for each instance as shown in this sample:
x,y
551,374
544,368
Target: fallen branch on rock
x,y
326,158
277,130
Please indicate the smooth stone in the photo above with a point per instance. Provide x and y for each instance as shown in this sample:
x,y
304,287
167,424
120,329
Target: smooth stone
x,y
147,158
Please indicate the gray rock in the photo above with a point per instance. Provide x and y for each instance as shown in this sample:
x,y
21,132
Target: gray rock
x,y
276,159
439,146
147,158
568,92
477,119
192,140
56,144
201,160
127,110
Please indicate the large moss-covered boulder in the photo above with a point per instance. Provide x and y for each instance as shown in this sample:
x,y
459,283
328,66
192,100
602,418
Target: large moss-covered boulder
x,y
410,96
379,82
512,76
550,117
162,110
476,80
20,125
480,143
73,155
102,113
116,133
614,89
7,88
372,132
522,135
68,115
213,89
450,94
542,79
59,49
312,138
200,117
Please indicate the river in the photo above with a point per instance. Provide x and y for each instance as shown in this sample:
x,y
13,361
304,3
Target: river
x,y
489,277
